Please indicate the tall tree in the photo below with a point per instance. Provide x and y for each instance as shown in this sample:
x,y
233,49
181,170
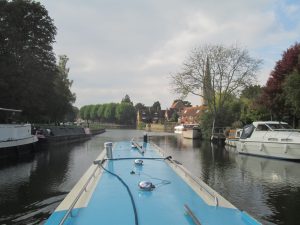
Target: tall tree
x,y
273,95
291,89
139,107
251,109
110,112
125,113
27,61
156,107
126,99
215,72
62,98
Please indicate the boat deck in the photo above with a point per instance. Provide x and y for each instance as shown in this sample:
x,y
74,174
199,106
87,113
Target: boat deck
x,y
110,202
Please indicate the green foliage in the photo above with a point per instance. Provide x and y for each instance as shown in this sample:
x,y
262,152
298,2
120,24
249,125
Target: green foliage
x,y
81,112
87,112
141,126
252,109
62,98
139,107
156,107
30,79
251,92
100,112
273,96
291,89
228,115
174,117
125,113
110,112
93,112
72,115
206,122
126,99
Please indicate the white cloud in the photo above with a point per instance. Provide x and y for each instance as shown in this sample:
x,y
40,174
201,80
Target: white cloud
x,y
131,47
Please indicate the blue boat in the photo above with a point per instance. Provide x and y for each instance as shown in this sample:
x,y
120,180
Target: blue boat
x,y
135,183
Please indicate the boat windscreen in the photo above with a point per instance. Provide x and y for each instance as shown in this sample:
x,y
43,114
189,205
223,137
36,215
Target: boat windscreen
x,y
247,131
279,126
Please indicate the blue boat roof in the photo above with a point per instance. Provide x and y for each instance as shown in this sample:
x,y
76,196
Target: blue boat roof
x,y
110,202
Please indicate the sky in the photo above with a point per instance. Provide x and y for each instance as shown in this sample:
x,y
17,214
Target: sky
x,y
119,47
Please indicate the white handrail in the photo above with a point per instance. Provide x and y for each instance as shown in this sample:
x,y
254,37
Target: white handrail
x,y
78,196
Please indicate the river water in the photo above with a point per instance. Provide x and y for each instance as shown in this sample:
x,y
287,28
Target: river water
x,y
32,187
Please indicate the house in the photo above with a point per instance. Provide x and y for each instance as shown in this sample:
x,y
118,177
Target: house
x,y
176,107
191,115
146,116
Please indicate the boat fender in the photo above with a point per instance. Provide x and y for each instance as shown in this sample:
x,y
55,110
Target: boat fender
x,y
286,148
261,147
146,186
138,162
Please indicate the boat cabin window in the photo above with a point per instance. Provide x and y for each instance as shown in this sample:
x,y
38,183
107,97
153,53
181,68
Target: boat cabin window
x,y
262,127
279,126
247,131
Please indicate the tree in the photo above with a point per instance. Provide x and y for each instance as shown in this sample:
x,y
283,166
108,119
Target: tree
x,y
251,108
156,107
100,112
27,61
72,116
125,113
82,111
126,99
87,112
93,112
110,112
215,73
62,98
273,96
139,107
292,92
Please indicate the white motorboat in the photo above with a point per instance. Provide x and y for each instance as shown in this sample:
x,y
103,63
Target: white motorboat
x,y
233,137
191,132
178,129
270,139
15,135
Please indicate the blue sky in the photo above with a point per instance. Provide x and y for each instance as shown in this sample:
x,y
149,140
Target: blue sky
x,y
132,46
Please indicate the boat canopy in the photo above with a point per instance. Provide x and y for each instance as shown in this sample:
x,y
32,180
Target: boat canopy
x,y
247,131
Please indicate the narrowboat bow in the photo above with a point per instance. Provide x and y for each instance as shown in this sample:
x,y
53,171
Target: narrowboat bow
x,y
134,183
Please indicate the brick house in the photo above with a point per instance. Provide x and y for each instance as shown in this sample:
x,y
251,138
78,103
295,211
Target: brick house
x,y
191,115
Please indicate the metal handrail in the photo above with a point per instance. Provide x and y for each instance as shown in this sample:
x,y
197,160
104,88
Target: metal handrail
x,y
192,215
137,146
77,197
192,177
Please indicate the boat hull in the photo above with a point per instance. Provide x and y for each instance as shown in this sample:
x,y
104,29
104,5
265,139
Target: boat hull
x,y
18,143
287,151
191,134
231,142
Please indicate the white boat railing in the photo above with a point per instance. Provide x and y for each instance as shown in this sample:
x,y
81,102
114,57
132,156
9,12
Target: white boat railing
x,y
84,189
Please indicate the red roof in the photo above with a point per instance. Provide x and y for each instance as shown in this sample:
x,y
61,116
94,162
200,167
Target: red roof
x,y
193,111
